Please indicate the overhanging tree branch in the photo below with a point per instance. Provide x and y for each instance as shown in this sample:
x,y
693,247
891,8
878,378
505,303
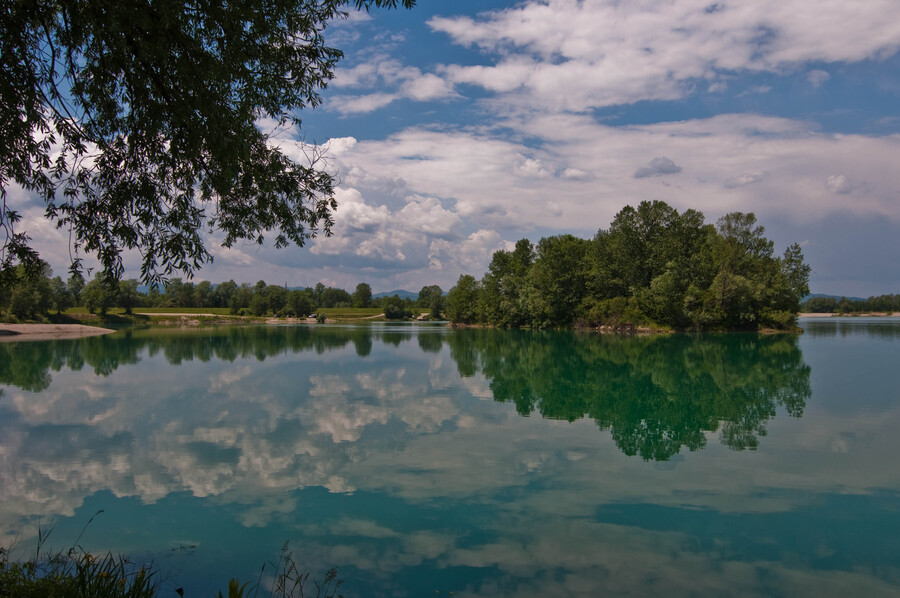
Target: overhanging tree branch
x,y
144,115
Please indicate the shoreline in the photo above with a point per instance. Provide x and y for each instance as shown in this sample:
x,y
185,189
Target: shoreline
x,y
873,314
46,332
41,332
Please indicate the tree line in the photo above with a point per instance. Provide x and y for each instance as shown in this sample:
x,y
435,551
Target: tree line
x,y
881,303
32,293
653,267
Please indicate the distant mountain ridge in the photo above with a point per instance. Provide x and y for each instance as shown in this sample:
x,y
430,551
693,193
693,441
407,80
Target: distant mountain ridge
x,y
400,293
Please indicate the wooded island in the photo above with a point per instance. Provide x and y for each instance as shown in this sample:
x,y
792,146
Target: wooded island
x,y
653,268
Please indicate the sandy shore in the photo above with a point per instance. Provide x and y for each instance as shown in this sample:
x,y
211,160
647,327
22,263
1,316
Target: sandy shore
x,y
43,332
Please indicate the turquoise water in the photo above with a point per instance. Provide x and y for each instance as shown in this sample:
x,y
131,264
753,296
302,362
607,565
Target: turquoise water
x,y
420,459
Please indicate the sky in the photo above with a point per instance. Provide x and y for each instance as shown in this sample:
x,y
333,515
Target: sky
x,y
456,128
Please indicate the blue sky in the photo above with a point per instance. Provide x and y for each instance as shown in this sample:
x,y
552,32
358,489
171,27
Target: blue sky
x,y
457,128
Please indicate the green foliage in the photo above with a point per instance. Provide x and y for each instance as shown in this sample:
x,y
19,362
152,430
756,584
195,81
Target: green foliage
x,y
129,297
431,297
299,304
506,287
333,297
27,293
819,305
235,589
136,123
259,305
362,296
654,266
657,395
558,280
463,300
396,309
60,296
100,294
881,303
276,296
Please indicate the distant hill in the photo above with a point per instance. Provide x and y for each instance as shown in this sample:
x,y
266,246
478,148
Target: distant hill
x,y
401,293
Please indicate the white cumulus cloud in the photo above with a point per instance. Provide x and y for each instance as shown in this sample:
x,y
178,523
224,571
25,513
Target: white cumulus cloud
x,y
577,55
657,167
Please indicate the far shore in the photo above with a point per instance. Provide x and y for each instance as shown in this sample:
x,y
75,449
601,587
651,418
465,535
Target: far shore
x,y
874,314
41,332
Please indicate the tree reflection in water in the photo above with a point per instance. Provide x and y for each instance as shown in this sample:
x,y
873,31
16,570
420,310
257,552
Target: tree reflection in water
x,y
655,394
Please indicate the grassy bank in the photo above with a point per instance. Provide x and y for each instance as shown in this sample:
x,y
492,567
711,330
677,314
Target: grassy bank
x,y
212,316
77,573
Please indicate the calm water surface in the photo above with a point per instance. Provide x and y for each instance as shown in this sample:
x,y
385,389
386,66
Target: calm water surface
x,y
419,459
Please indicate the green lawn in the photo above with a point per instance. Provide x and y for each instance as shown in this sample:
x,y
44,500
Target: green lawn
x,y
219,311
333,313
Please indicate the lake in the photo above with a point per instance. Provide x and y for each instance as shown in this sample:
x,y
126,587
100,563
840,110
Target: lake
x,y
421,460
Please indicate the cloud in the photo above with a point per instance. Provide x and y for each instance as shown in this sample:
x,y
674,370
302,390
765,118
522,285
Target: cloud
x,y
426,214
657,167
568,55
468,256
427,204
389,81
747,178
839,184
379,235
362,103
756,90
576,173
532,168
426,88
817,77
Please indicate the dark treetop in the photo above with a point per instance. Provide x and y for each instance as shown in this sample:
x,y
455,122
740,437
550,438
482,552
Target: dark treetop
x,y
136,122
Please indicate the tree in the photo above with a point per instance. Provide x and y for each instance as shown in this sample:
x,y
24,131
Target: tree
x,y
179,294
462,300
362,296
223,293
639,243
100,293
136,122
432,297
504,285
129,296
276,297
796,275
558,277
60,296
299,304
203,294
820,304
653,267
259,306
75,285
394,309
332,297
27,292
318,292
